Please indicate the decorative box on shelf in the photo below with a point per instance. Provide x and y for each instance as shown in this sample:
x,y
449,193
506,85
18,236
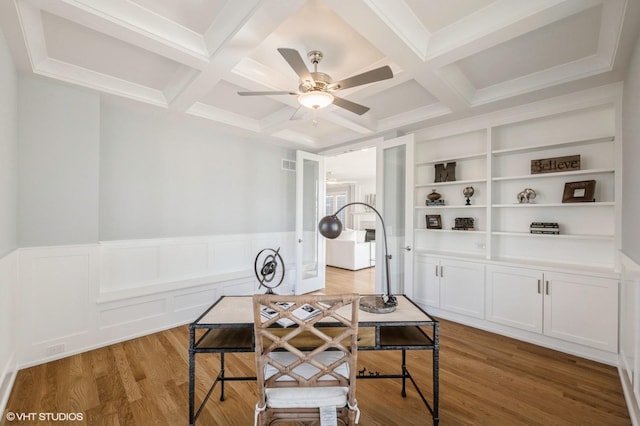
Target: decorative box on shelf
x,y
463,224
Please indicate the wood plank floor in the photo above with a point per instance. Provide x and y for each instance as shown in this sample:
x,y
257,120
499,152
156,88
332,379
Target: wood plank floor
x,y
485,379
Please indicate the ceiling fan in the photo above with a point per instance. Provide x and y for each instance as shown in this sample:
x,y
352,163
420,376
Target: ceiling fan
x,y
316,89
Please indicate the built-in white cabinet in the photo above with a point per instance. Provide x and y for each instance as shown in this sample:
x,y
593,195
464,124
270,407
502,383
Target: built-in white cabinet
x,y
577,308
452,285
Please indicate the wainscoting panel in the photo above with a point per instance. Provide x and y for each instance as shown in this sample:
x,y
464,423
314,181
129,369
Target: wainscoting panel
x,y
630,336
8,325
128,265
77,298
187,260
233,254
131,313
198,300
56,295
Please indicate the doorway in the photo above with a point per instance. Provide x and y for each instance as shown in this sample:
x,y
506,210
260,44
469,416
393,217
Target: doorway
x,y
351,258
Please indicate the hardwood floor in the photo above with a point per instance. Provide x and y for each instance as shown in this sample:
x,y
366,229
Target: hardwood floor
x,y
485,379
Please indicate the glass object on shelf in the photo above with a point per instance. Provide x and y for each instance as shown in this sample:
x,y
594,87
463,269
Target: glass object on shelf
x,y
468,192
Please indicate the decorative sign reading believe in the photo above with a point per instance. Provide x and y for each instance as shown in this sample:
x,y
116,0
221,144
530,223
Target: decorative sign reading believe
x,y
555,164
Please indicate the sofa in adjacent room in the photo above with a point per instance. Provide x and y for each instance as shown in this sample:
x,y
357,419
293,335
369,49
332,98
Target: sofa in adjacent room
x,y
350,251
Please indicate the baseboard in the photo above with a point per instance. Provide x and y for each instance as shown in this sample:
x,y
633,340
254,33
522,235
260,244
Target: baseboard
x,y
629,397
7,379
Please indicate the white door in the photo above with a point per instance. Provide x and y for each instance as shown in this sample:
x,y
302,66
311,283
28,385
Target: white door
x,y
514,297
426,282
581,309
462,287
394,194
310,262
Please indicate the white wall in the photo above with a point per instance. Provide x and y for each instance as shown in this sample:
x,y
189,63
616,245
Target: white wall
x,y
8,149
8,210
189,206
167,176
630,296
58,163
631,155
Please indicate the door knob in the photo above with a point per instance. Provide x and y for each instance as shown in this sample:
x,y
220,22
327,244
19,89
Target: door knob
x,y
299,240
407,248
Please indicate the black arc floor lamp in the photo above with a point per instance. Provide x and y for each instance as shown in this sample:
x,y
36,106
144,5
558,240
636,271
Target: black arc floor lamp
x,y
331,227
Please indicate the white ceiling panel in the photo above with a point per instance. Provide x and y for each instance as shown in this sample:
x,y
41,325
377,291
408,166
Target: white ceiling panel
x,y
564,41
436,15
386,104
449,58
71,43
195,15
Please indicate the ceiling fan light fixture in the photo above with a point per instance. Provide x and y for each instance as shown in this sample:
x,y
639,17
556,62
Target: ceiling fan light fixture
x,y
315,99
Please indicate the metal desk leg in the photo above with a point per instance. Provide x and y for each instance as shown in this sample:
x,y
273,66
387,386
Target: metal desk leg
x,y
405,373
436,372
221,376
192,374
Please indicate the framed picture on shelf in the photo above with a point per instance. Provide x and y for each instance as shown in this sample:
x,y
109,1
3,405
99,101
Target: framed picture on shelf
x,y
434,221
578,192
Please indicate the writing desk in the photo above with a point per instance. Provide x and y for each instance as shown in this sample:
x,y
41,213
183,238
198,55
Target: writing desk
x,y
227,326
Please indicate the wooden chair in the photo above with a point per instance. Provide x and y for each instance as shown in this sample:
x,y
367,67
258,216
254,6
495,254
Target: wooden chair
x,y
310,363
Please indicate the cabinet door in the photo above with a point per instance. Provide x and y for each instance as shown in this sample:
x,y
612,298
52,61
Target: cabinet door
x,y
514,297
426,283
581,309
462,288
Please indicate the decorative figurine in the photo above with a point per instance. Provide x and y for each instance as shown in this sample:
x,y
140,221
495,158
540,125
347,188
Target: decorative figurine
x,y
526,195
468,192
433,199
271,274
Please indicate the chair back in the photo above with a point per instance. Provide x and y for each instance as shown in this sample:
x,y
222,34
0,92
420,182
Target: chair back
x,y
306,341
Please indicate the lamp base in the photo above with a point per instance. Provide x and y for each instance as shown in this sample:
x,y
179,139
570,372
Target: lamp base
x,y
377,305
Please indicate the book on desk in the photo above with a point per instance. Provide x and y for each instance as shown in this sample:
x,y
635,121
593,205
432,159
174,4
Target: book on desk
x,y
303,313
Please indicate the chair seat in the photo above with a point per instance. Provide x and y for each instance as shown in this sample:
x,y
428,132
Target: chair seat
x,y
312,397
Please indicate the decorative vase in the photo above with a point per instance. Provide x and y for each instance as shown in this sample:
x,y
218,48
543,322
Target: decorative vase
x,y
433,196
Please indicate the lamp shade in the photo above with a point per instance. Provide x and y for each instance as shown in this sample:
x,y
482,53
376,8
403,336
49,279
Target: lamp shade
x,y
330,227
315,99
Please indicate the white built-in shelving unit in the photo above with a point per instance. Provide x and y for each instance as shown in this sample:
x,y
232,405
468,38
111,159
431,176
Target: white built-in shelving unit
x,y
496,162
541,288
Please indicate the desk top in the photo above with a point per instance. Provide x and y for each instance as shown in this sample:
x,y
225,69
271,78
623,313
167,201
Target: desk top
x,y
237,311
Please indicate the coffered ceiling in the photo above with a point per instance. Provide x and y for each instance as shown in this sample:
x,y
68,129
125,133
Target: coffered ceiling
x,y
450,59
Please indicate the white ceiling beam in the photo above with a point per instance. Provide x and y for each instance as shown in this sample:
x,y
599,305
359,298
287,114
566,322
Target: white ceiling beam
x,y
222,116
351,124
414,116
264,20
400,18
368,19
104,83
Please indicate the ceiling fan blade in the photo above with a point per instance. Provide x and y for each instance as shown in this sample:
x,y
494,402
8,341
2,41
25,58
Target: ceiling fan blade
x,y
350,106
382,73
295,61
266,93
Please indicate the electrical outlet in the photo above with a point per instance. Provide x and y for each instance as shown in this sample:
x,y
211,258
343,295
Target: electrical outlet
x,y
55,349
